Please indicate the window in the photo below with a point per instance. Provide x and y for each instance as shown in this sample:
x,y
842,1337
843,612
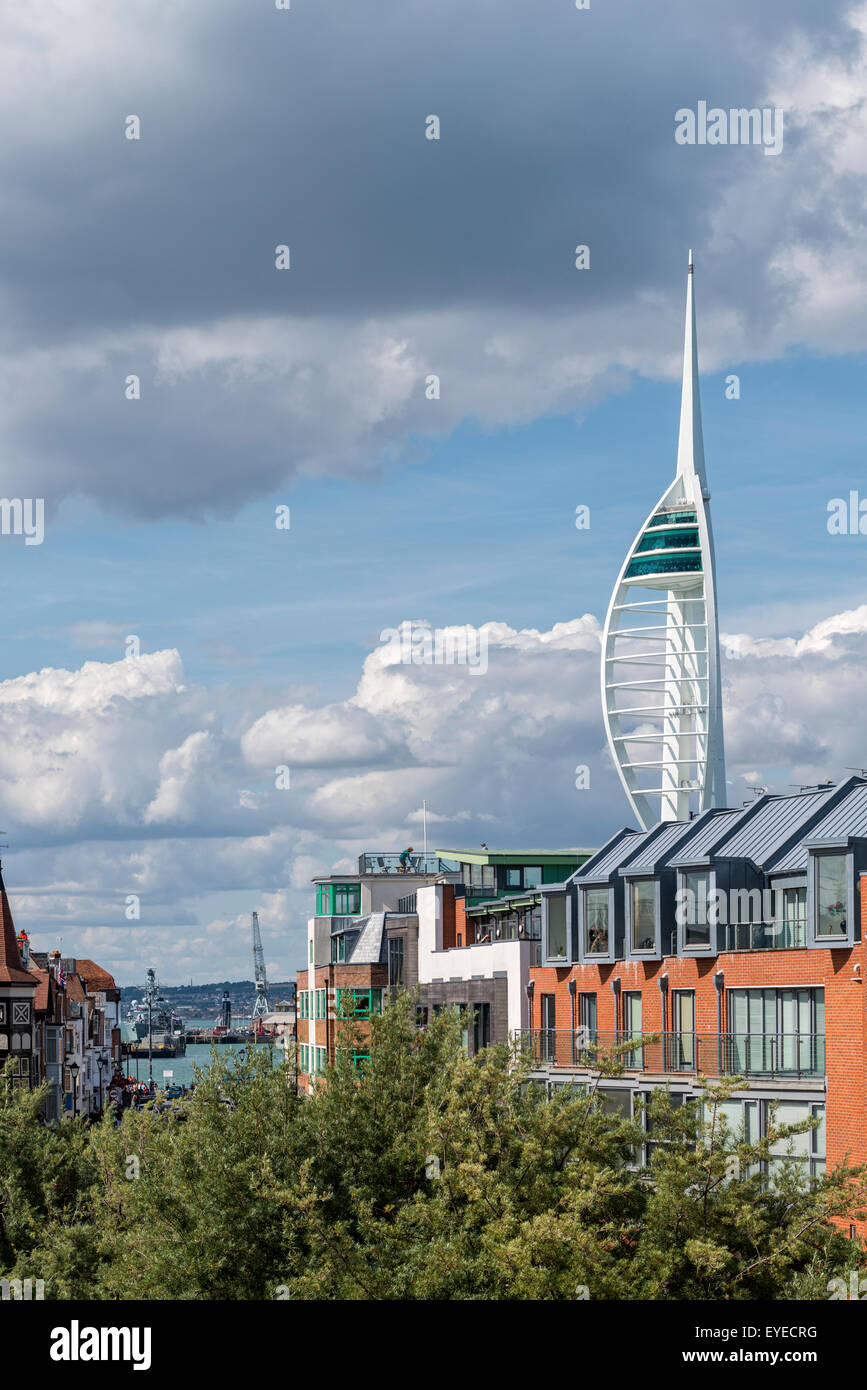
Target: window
x,y
395,961
777,1032
696,930
513,878
596,921
481,1027
549,1024
347,899
643,903
807,1149
556,925
792,930
831,895
640,1105
338,949
302,1004
323,904
683,1005
532,876
481,878
359,1002
615,1101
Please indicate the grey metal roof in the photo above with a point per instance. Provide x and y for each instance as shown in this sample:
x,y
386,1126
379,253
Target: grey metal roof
x,y
766,830
602,867
700,843
847,818
368,949
657,847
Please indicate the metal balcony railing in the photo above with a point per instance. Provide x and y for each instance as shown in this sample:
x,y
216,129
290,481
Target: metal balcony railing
x,y
777,935
389,863
792,1055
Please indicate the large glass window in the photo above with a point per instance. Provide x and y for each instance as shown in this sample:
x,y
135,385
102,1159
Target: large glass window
x,y
831,895
532,876
643,901
347,899
513,878
806,1149
696,931
323,905
481,878
777,1032
556,926
596,921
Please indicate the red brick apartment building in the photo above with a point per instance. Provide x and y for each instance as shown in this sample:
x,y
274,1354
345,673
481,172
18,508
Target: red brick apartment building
x,y
737,939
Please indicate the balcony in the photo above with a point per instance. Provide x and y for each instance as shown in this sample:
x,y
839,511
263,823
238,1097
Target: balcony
x,y
784,1056
776,935
389,863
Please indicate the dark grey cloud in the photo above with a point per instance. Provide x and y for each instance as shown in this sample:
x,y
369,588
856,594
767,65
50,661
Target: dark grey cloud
x,y
307,127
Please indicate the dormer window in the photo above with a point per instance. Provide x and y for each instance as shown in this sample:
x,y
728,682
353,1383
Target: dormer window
x,y
555,919
832,892
696,924
832,895
596,925
642,903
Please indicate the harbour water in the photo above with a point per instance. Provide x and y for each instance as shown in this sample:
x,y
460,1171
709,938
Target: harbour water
x,y
182,1070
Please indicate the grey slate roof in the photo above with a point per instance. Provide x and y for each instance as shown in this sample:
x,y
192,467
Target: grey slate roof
x,y
848,818
703,839
602,867
765,831
657,847
369,948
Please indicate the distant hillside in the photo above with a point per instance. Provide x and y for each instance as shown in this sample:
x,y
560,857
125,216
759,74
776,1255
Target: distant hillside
x,y
203,1001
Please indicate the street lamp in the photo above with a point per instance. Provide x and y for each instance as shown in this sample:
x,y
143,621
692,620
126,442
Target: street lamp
x,y
103,1068
73,1072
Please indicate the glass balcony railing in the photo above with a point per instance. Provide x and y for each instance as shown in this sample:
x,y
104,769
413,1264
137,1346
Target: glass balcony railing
x,y
390,863
784,1055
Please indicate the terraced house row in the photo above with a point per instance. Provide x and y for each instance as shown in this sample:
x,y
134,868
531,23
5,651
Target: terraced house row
x,y
59,1023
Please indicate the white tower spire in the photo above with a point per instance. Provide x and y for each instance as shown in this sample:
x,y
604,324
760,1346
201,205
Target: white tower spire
x,y
661,693
690,444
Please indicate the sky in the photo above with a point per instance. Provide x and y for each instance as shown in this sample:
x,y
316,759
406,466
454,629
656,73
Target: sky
x,y
167,646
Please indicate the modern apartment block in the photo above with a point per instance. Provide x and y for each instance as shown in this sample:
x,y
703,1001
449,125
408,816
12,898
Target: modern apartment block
x,y
735,939
462,928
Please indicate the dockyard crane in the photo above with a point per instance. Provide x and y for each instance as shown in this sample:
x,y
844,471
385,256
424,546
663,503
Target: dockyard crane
x,y
261,1006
